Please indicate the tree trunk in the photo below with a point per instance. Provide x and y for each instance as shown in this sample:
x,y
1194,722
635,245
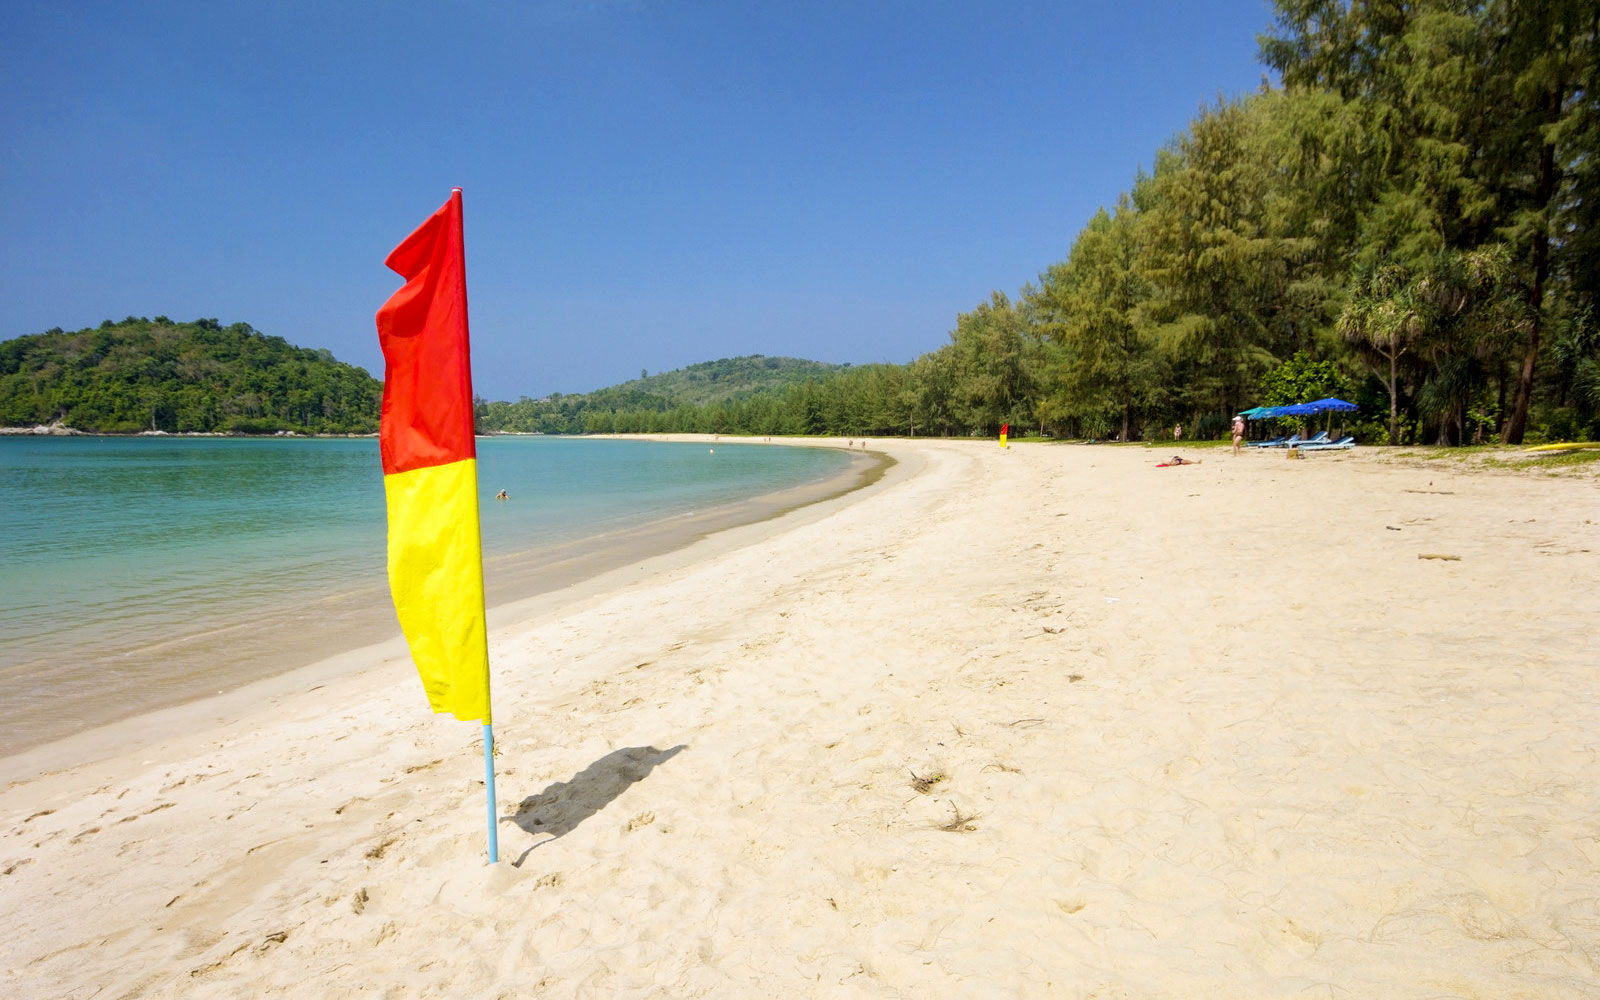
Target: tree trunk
x,y
1517,424
1127,417
1394,400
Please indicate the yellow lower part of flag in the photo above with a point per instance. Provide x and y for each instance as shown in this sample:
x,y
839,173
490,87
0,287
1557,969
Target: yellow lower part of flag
x,y
436,576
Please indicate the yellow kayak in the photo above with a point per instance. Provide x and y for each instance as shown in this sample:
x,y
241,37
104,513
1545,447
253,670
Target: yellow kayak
x,y
1566,446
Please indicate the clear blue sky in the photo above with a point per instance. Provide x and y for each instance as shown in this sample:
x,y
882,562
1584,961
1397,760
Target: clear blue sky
x,y
647,185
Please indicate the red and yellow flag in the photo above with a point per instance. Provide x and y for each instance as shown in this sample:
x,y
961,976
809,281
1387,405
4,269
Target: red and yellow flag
x,y
430,467
1005,429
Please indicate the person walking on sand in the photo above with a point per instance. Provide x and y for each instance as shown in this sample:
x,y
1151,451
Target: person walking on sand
x,y
1238,432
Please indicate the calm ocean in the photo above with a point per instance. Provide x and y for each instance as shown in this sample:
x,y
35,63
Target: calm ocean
x,y
133,570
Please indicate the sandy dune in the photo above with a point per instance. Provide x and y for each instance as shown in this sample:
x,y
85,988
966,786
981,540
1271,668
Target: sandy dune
x,y
1038,722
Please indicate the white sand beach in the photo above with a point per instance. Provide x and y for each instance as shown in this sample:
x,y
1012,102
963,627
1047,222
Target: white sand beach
x,y
1043,721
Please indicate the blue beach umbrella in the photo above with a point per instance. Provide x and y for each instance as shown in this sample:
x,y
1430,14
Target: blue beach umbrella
x,y
1299,409
1332,404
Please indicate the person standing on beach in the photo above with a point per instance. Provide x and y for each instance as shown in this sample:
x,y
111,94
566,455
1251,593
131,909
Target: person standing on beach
x,y
1238,432
1177,432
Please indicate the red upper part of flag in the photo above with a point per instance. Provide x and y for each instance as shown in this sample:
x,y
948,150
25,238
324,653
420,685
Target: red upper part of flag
x,y
1005,427
427,376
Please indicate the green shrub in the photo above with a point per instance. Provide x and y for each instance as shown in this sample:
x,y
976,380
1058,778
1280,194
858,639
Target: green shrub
x,y
1558,423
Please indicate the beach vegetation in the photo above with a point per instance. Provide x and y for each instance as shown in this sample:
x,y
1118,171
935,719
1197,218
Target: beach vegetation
x,y
959,821
708,394
1546,460
1301,380
1408,214
197,377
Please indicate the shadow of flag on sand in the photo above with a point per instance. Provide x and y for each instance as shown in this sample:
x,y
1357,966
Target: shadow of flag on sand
x,y
564,804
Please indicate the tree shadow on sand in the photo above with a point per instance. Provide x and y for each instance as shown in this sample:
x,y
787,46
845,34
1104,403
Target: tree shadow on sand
x,y
564,804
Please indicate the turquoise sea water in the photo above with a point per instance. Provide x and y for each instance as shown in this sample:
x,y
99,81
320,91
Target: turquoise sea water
x,y
127,564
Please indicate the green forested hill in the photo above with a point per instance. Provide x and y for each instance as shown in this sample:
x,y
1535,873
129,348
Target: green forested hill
x,y
710,383
143,374
727,379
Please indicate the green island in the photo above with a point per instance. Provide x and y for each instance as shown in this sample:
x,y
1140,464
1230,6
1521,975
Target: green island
x,y
197,377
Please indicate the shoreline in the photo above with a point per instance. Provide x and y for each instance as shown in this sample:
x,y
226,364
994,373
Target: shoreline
x,y
549,577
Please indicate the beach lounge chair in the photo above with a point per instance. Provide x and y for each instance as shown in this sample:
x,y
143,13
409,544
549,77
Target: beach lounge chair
x,y
1265,444
1321,438
1342,444
1289,442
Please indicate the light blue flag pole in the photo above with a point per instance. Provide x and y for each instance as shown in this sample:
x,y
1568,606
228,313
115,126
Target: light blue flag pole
x,y
488,782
